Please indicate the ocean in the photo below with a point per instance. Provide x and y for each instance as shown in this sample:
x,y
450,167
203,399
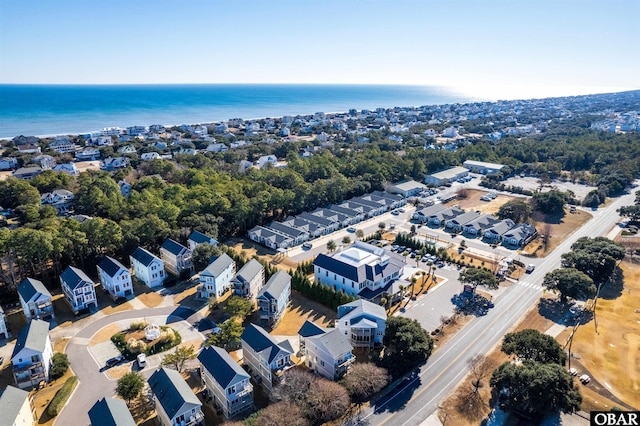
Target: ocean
x,y
75,109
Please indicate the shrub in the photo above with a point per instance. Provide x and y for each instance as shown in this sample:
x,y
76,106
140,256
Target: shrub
x,y
60,365
61,397
136,346
140,325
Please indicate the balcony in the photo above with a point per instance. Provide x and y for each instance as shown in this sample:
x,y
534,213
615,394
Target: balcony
x,y
27,367
194,420
347,361
246,391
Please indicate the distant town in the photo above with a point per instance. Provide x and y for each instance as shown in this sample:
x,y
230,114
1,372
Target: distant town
x,y
321,268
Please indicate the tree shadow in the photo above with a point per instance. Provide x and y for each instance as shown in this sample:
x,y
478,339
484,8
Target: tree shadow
x,y
398,394
612,289
561,313
556,218
470,304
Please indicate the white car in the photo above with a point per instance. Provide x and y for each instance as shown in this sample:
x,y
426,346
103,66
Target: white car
x,y
573,371
142,360
530,268
585,379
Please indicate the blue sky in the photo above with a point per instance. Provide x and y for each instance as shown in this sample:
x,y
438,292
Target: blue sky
x,y
522,47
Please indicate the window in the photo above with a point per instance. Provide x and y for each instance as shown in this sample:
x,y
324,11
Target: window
x,y
35,358
326,274
322,363
161,273
231,390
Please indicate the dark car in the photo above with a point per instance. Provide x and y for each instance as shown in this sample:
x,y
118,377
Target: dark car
x,y
112,362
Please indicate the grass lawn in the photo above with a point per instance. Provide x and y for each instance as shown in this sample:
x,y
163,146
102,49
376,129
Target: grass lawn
x,y
303,309
561,228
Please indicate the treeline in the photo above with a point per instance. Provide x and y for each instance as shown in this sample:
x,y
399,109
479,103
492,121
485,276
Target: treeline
x,y
317,291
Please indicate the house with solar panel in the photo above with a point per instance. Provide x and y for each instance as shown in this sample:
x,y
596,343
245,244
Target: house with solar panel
x,y
115,278
229,385
78,289
274,298
17,407
249,280
176,258
197,238
175,402
327,351
266,358
362,322
217,278
147,268
110,412
31,357
35,300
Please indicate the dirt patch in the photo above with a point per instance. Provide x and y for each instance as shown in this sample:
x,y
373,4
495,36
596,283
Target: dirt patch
x,y
42,397
104,334
126,306
118,371
151,300
560,229
473,201
186,297
303,309
610,353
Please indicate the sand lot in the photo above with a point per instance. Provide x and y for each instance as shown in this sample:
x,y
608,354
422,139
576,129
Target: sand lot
x,y
531,183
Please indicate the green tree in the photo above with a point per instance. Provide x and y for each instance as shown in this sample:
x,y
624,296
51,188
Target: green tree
x,y
346,240
229,335
59,365
15,192
596,257
534,389
360,234
382,225
532,345
406,345
130,385
517,210
238,307
479,277
632,212
178,357
570,282
331,245
202,254
550,202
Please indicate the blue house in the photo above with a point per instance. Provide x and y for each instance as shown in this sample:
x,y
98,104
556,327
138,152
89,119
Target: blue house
x,y
176,404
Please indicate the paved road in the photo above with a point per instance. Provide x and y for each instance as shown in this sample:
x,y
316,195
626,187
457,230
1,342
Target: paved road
x,y
94,385
418,398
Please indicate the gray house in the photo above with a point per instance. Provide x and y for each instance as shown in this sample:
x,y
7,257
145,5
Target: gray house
x,y
176,404
110,412
266,358
274,298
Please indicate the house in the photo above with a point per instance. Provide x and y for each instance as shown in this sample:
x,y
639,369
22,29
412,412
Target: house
x,y
307,330
457,223
217,147
352,216
446,176
442,216
199,238
363,322
8,163
477,226
482,167
29,149
35,300
266,358
78,289
329,354
519,236
147,268
215,279
62,144
312,229
371,207
31,357
45,161
360,270
361,211
324,225
175,402
406,188
68,168
125,188
17,407
60,199
27,173
267,159
4,331
176,257
110,412
88,154
270,238
115,278
338,219
116,163
228,384
495,232
100,141
423,215
127,149
249,279
297,235
148,156
274,298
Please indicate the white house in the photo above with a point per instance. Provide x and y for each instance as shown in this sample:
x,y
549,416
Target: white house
x,y
363,322
176,257
62,144
274,298
45,161
17,407
217,147
215,279
199,238
147,268
328,354
78,289
88,154
35,300
175,402
249,279
127,149
111,163
60,199
8,163
229,385
495,232
271,238
4,331
267,159
110,412
520,236
266,358
31,357
29,149
115,278
406,188
483,167
361,270
147,156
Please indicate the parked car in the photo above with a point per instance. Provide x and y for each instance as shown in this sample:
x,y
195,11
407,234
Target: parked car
x,y
307,245
351,229
142,360
401,210
585,379
530,268
112,362
573,371
395,212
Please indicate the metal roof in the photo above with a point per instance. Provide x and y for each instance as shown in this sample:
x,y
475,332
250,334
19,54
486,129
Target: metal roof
x,y
33,336
219,265
309,329
260,341
334,342
359,307
250,270
173,247
276,285
144,256
29,287
110,266
11,401
221,366
172,391
74,277
199,238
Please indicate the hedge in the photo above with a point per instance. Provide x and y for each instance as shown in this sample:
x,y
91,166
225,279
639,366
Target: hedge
x,y
61,397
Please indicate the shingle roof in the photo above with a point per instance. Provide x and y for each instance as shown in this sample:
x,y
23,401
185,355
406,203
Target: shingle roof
x,y
361,307
110,412
173,247
250,270
286,229
110,266
311,218
73,277
334,342
33,336
309,329
276,285
259,340
11,401
199,238
29,287
143,256
172,391
221,366
216,267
